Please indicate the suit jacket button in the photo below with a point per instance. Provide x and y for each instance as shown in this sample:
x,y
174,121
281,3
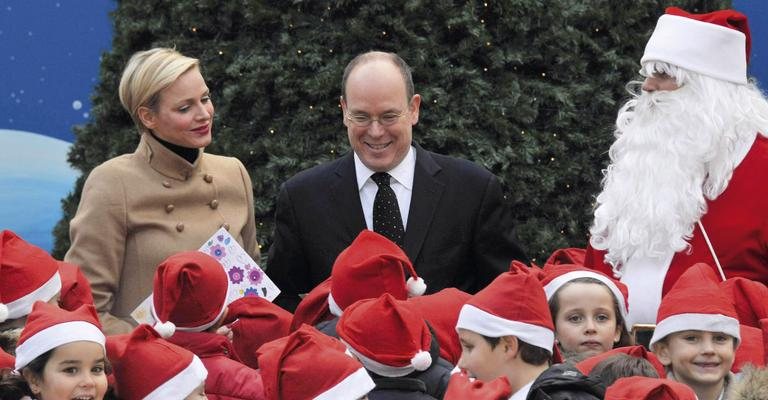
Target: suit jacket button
x,y
169,208
167,184
225,226
214,204
180,226
208,178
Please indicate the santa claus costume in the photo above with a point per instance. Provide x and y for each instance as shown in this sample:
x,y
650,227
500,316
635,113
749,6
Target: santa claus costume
x,y
684,183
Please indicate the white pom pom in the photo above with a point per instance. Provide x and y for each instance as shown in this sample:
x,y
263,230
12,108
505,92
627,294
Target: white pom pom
x,y
421,361
3,312
165,329
416,287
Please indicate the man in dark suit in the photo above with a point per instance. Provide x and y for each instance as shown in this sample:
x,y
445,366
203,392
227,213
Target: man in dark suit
x,y
449,215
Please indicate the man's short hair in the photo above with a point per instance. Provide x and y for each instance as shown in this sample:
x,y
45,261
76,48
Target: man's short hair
x,y
402,66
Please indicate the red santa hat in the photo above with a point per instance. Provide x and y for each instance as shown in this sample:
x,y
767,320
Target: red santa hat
x,y
370,266
151,368
748,297
716,44
255,321
461,387
313,307
751,349
75,287
645,388
386,336
586,365
514,304
557,275
27,274
7,360
190,293
696,302
571,255
49,327
308,364
441,310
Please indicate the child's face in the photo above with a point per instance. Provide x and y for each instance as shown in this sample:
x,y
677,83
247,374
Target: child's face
x,y
478,358
198,393
697,357
75,370
586,322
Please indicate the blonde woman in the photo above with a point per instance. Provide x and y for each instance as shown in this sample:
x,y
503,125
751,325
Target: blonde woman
x,y
166,197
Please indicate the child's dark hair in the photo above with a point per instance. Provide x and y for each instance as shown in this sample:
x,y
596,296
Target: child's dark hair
x,y
554,308
531,354
621,366
13,386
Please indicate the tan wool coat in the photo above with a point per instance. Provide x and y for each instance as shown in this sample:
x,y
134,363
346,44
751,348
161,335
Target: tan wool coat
x,y
137,209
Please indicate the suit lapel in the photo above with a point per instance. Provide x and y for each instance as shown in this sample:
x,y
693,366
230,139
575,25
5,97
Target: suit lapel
x,y
345,197
427,190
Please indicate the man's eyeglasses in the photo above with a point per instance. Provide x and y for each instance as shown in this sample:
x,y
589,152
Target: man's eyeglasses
x,y
386,119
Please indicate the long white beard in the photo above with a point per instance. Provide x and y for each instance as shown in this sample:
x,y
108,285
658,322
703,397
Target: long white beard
x,y
654,189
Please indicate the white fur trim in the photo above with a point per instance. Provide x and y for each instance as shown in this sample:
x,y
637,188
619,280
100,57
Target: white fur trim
x,y
55,336
181,385
3,312
164,329
421,361
696,322
553,286
333,307
354,386
23,305
487,324
416,287
702,47
377,367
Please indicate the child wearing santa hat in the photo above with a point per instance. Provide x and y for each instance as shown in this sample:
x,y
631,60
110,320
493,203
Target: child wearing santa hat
x,y
253,321
29,274
697,333
147,367
506,330
189,300
60,354
396,345
370,266
589,310
645,388
308,364
622,362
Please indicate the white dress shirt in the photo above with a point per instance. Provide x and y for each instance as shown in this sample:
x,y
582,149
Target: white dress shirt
x,y
402,185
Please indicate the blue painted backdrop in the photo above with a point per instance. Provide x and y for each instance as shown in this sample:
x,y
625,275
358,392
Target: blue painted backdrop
x,y
49,64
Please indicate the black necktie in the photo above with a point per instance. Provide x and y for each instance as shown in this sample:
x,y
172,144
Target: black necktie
x,y
386,212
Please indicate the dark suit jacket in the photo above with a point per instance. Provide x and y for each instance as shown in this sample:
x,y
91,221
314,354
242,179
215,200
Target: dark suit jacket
x,y
459,232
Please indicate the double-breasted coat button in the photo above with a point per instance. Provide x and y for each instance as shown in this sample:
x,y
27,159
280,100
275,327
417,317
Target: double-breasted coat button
x,y
225,226
167,184
169,208
208,178
180,226
214,204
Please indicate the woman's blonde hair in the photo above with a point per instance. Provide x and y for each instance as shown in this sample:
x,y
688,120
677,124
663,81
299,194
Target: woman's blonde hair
x,y
146,74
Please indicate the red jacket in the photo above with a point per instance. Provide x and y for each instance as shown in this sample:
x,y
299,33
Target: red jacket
x,y
736,222
227,378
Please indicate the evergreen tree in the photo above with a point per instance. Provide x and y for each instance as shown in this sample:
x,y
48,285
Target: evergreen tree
x,y
527,88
